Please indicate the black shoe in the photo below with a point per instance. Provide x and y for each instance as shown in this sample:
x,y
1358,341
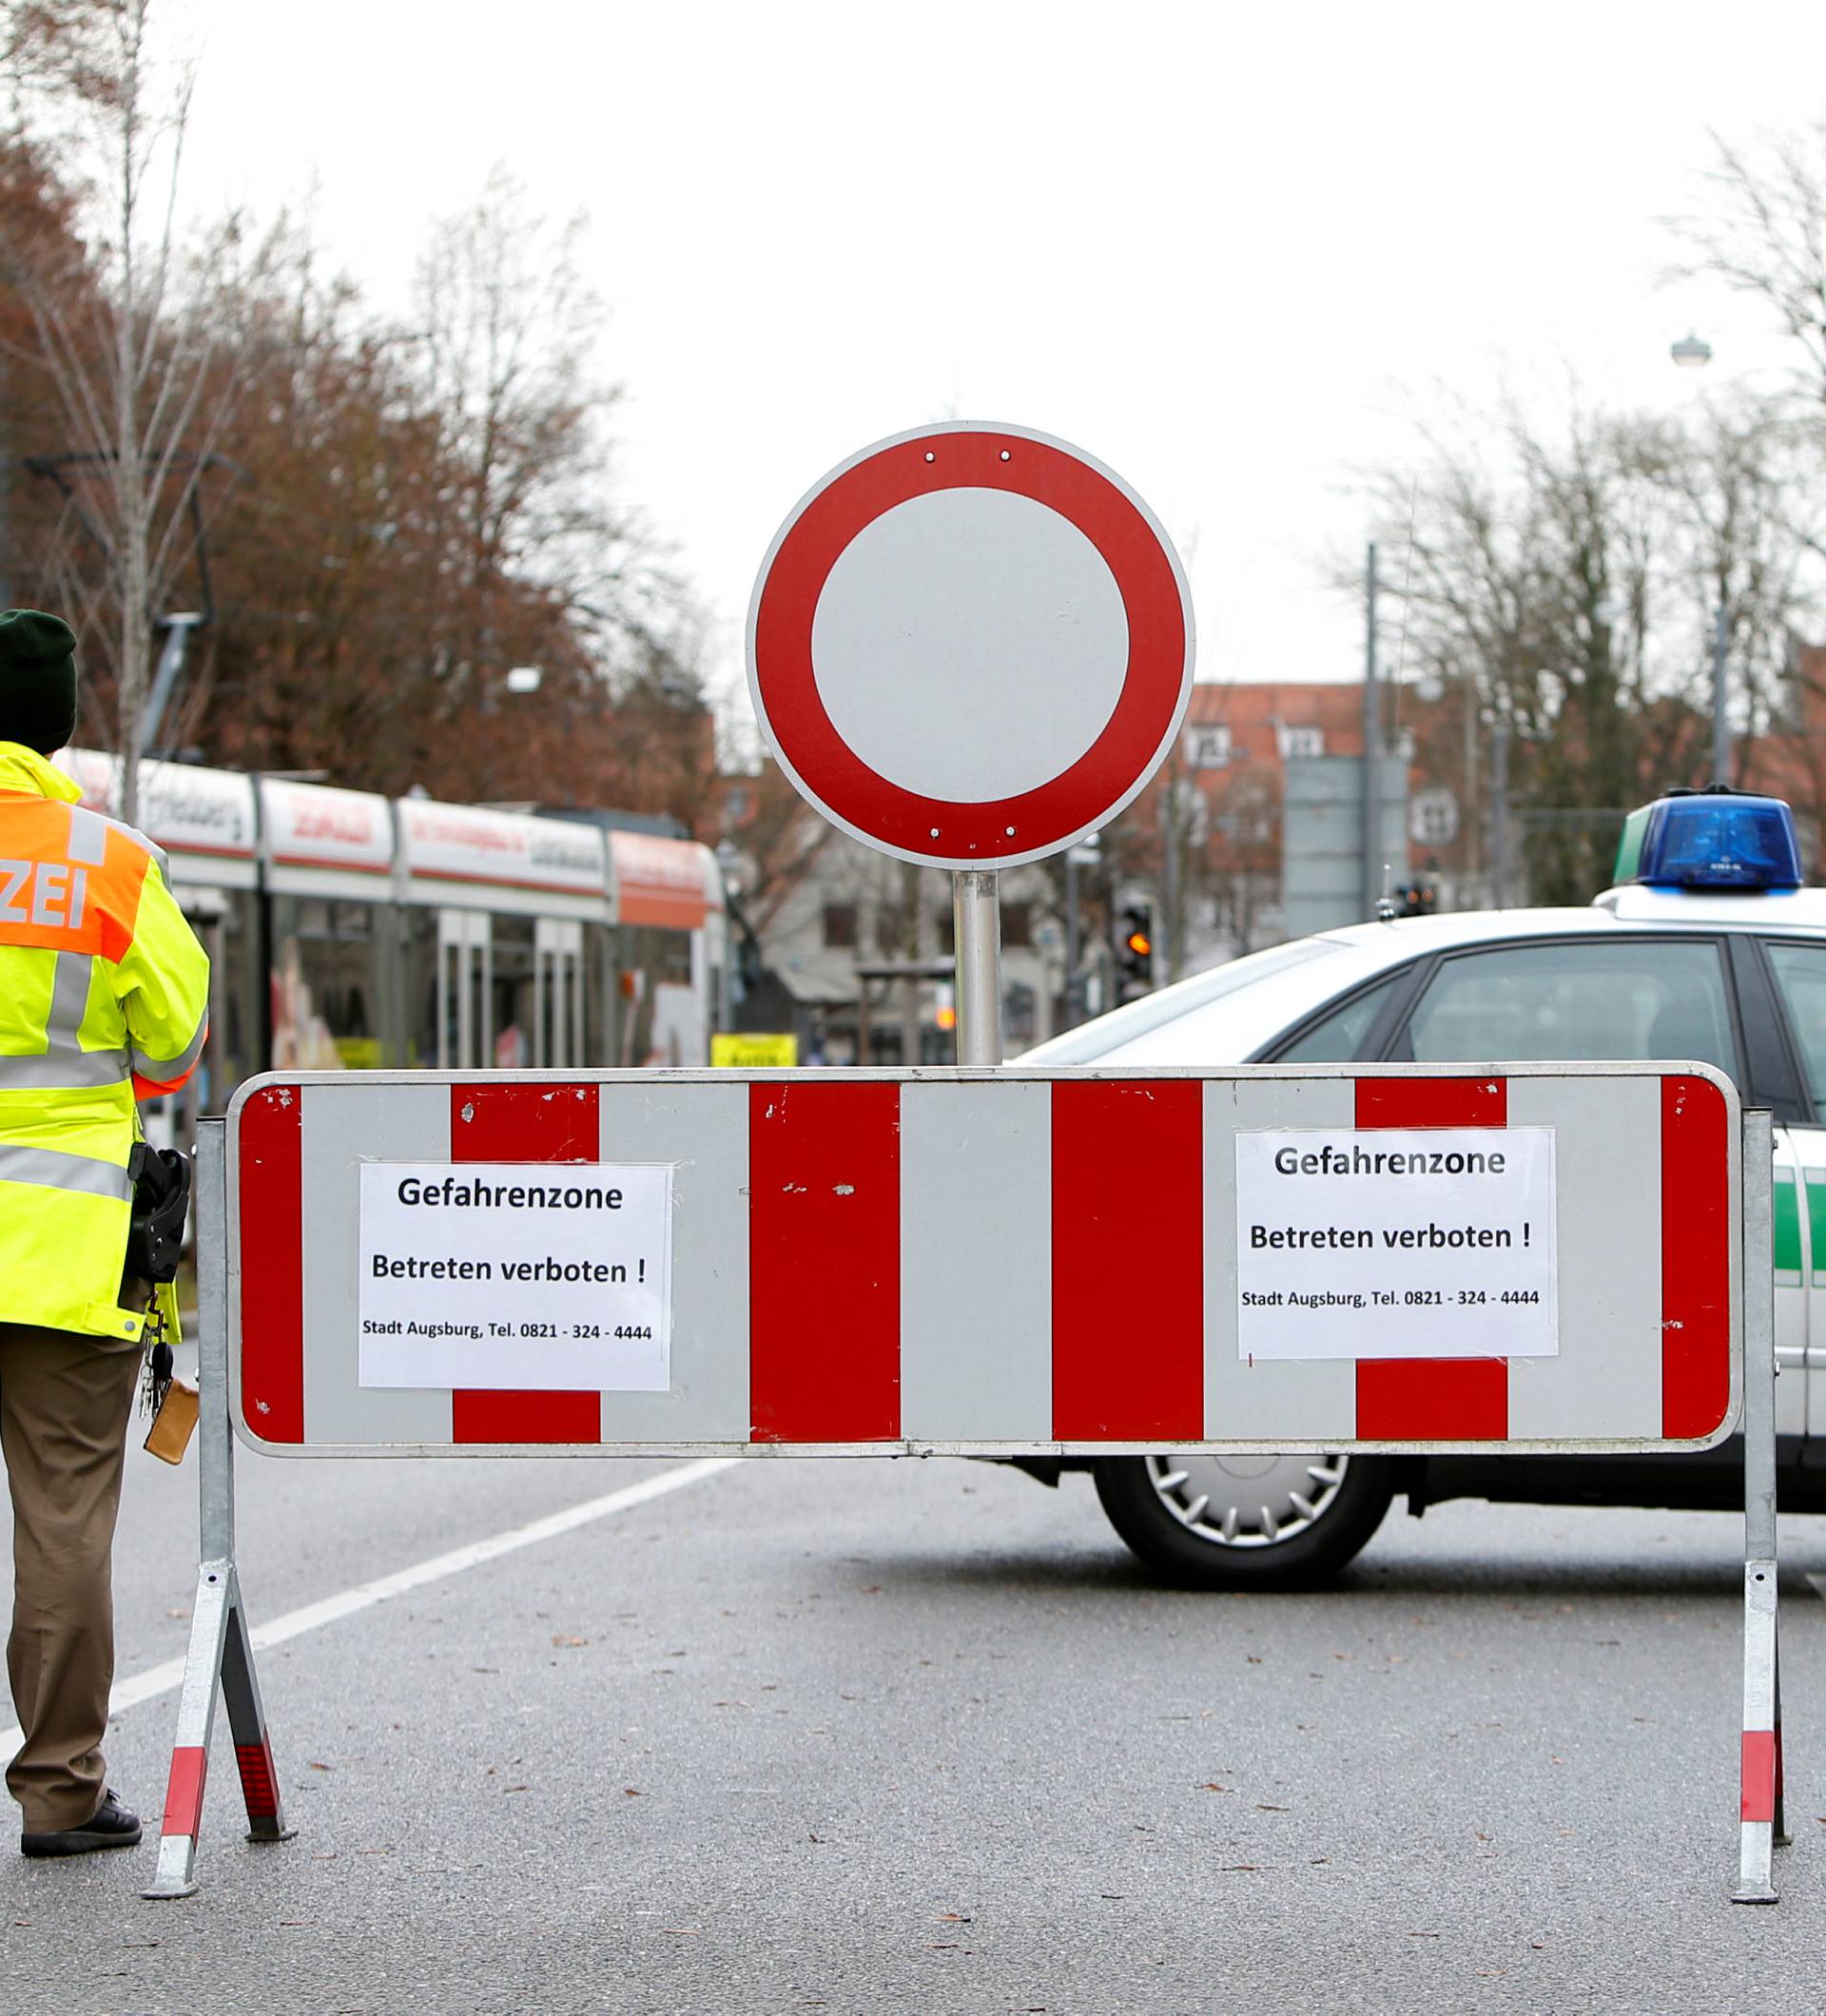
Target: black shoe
x,y
110,1826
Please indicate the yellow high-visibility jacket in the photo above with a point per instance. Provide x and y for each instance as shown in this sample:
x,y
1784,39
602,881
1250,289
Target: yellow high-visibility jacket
x,y
104,997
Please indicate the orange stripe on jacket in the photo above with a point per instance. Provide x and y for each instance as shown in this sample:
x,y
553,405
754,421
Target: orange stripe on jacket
x,y
50,904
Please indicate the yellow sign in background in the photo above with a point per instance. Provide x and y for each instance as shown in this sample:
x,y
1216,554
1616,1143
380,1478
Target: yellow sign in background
x,y
753,1052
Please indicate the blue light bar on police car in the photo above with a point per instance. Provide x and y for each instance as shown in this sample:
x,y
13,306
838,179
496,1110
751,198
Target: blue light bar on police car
x,y
1715,839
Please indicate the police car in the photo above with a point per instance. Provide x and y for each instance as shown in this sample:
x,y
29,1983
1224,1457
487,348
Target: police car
x,y
1708,948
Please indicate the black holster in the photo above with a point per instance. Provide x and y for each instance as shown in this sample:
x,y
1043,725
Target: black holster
x,y
161,1202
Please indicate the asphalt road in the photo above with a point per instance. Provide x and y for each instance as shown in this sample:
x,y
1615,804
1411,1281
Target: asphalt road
x,y
860,1736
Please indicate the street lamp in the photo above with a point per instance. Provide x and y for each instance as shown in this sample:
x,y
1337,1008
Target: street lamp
x,y
1691,353
1720,693
730,866
742,970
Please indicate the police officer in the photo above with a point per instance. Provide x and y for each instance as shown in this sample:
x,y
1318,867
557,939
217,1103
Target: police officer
x,y
104,994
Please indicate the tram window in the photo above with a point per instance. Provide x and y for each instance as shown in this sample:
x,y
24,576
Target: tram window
x,y
516,1034
594,1043
449,1005
419,932
660,1018
327,983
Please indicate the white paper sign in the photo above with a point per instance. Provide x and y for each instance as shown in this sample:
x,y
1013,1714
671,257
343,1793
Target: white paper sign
x,y
542,1276
1396,1243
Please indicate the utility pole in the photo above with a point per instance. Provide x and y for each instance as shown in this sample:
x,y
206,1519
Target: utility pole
x,y
1371,745
1166,930
913,896
1500,812
1471,825
178,631
1720,681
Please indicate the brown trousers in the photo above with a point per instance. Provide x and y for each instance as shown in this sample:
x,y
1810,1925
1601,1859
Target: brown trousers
x,y
65,1402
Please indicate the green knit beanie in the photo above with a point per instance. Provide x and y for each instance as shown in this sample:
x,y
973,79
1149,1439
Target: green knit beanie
x,y
37,680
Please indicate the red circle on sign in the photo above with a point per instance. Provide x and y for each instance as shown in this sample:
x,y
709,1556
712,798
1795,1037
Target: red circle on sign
x,y
949,832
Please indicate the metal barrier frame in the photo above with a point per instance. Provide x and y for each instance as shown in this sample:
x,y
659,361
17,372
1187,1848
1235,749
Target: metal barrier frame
x,y
221,1655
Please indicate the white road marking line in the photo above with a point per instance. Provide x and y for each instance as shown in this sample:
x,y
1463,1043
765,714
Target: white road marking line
x,y
163,1679
1819,1584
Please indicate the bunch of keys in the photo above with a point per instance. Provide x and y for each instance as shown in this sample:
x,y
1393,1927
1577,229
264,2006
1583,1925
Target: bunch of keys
x,y
160,1363
171,1400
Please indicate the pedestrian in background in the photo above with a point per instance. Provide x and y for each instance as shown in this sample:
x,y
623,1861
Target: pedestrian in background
x,y
104,999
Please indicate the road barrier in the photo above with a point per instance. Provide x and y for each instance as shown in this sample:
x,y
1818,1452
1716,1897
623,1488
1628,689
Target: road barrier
x,y
1564,1257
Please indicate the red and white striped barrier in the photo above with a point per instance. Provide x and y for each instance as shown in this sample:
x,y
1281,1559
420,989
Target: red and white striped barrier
x,y
1024,1262
997,1263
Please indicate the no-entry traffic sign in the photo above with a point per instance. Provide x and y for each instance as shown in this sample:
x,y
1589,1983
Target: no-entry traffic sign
x,y
970,645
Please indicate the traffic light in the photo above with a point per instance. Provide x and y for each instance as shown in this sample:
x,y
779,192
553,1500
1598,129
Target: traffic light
x,y
1135,948
1415,900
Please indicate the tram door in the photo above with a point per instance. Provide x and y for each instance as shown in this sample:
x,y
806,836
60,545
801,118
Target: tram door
x,y
465,1042
557,1012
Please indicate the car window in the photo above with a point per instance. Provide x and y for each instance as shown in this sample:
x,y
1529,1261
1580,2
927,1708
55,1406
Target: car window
x,y
1800,979
1630,999
1338,1038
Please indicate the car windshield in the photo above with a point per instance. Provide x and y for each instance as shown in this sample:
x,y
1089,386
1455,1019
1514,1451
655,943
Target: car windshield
x,y
1096,1038
1621,998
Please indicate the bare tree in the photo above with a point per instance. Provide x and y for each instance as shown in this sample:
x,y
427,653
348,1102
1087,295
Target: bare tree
x,y
507,328
1745,540
137,333
1569,571
1240,864
505,333
1763,235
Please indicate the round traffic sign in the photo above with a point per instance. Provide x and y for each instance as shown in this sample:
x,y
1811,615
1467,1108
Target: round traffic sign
x,y
970,645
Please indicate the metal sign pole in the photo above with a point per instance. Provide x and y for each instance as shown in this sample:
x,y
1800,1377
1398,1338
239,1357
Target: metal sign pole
x,y
1761,1804
976,915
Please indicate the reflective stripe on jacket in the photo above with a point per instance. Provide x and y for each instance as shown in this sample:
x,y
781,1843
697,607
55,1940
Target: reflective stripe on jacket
x,y
104,995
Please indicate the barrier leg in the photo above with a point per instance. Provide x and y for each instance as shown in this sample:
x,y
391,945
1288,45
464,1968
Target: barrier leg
x,y
1759,1802
1783,1838
175,1875
247,1722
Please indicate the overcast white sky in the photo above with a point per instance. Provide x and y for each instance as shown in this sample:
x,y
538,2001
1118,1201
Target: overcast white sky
x,y
1228,248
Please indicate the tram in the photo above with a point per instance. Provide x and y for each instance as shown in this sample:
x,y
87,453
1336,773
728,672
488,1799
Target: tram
x,y
354,932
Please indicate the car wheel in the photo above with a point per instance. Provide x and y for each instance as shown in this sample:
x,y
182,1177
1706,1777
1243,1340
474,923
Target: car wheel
x,y
1279,1521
